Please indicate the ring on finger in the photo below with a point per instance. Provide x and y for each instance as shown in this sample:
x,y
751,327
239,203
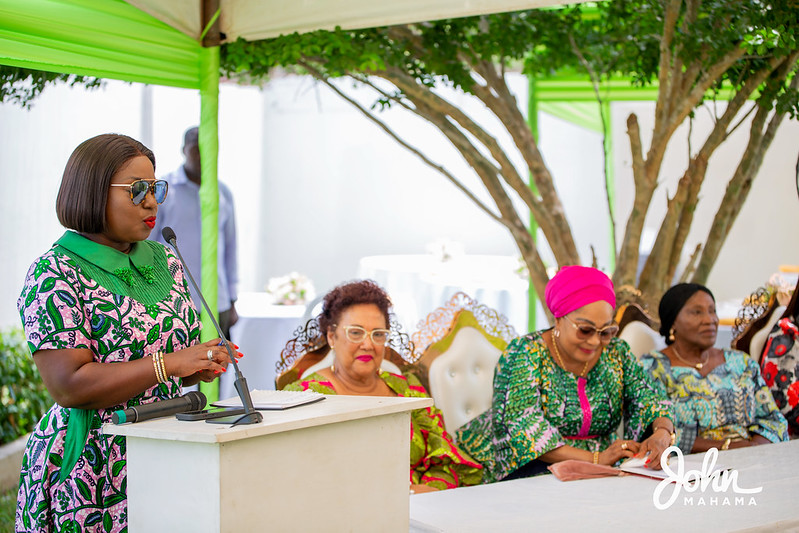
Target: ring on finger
x,y
623,445
210,355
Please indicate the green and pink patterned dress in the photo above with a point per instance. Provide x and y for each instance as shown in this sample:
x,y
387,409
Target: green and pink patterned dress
x,y
538,407
122,307
435,459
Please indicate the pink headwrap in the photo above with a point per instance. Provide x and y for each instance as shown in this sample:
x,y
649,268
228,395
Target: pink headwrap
x,y
575,286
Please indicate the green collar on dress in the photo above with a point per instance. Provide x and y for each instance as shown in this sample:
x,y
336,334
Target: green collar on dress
x,y
142,274
110,259
105,257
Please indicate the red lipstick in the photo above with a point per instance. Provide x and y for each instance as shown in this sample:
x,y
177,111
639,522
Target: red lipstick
x,y
150,222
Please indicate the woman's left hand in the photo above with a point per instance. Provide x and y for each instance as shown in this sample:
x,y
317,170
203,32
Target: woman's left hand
x,y
655,445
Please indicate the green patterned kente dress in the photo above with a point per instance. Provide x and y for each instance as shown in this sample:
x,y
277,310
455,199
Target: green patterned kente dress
x,y
122,307
538,407
435,459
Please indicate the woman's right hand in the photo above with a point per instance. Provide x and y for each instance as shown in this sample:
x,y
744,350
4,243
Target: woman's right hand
x,y
619,449
195,359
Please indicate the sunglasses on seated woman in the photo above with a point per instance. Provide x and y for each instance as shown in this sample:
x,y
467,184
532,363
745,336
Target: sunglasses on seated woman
x,y
357,334
140,188
585,332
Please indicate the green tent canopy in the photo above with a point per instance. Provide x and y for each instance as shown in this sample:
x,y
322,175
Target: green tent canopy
x,y
160,42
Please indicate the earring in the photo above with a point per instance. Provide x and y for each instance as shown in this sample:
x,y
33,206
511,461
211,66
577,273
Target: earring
x,y
332,353
556,333
671,334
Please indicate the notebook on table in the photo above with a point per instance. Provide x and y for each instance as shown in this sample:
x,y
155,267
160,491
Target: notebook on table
x,y
274,399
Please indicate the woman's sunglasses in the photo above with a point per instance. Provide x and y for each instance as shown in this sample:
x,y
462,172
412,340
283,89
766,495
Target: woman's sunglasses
x,y
140,188
585,332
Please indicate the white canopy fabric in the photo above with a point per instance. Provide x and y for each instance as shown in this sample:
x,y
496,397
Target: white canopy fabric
x,y
262,19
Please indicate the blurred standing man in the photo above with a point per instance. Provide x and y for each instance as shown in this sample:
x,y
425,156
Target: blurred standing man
x,y
181,211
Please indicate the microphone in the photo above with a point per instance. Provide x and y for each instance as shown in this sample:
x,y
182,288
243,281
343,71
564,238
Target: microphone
x,y
250,416
191,401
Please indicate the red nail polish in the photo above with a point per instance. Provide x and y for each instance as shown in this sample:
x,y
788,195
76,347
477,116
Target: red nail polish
x,y
240,354
236,346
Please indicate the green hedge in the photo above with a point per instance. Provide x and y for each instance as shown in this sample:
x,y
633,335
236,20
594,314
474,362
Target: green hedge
x,y
23,396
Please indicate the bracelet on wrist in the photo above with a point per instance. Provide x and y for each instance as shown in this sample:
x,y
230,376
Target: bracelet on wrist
x,y
726,445
671,433
596,458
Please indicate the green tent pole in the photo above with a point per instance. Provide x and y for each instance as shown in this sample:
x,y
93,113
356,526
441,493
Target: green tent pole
x,y
209,193
532,121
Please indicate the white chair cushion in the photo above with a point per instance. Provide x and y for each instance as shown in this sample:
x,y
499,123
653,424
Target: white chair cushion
x,y
641,338
462,378
388,366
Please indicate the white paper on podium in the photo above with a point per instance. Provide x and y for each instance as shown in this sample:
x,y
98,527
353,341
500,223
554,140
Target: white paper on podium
x,y
274,399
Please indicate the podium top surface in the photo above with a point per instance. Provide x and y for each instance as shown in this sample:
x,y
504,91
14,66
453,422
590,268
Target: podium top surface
x,y
334,408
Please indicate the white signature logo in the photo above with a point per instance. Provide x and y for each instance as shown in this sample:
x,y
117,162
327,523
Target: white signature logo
x,y
695,480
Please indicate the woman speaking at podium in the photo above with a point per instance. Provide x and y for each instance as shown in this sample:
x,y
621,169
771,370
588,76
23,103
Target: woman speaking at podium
x,y
110,323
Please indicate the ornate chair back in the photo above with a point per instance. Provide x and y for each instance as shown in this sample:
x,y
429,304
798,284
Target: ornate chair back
x,y
458,346
637,328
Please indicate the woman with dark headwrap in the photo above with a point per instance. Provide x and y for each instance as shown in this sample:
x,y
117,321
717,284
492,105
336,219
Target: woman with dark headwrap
x,y
561,393
720,398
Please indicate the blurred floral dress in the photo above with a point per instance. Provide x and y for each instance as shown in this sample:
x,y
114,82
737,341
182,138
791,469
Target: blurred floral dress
x,y
733,400
435,459
538,406
122,307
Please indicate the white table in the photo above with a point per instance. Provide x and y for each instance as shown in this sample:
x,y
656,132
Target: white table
x,y
310,468
260,333
418,284
620,504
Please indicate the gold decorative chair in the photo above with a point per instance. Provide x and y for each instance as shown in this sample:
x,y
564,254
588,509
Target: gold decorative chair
x,y
457,348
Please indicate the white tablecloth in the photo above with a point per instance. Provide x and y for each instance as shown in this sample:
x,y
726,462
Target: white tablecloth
x,y
620,504
261,333
418,284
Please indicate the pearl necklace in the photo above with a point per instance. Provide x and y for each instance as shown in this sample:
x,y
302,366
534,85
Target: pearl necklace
x,y
703,359
560,360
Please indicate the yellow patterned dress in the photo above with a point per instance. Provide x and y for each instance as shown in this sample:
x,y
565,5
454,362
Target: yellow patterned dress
x,y
733,400
435,459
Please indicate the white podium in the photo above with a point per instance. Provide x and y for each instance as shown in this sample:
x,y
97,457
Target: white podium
x,y
340,464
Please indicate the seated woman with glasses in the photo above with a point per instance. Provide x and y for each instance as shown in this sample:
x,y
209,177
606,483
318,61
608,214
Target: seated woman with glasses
x,y
354,321
720,398
561,393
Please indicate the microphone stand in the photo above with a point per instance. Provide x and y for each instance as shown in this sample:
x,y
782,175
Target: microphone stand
x,y
251,415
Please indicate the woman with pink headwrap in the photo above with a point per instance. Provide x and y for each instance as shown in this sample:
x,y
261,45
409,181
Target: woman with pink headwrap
x,y
561,393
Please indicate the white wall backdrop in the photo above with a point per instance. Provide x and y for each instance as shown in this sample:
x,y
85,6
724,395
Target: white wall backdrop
x,y
317,186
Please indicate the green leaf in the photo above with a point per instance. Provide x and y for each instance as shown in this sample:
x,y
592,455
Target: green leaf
x,y
83,488
47,285
117,467
154,333
54,314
